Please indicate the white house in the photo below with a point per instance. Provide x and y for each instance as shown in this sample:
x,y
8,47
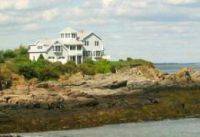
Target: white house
x,y
70,46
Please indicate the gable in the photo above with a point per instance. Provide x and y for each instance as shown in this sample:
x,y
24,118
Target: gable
x,y
90,35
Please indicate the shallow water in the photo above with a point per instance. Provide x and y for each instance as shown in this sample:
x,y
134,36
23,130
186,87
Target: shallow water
x,y
167,128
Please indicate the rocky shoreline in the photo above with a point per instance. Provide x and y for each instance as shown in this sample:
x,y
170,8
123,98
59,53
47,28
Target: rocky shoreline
x,y
130,95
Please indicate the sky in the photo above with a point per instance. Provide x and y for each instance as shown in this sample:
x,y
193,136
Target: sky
x,y
156,30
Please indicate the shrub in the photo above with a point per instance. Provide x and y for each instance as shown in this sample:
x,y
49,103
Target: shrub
x,y
103,66
48,74
9,54
87,69
5,77
21,51
1,57
70,67
28,72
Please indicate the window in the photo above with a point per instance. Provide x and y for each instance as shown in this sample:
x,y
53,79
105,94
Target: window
x,y
87,43
67,46
61,57
73,58
72,48
62,35
79,59
79,47
39,47
67,35
51,57
57,48
73,35
87,53
96,43
98,53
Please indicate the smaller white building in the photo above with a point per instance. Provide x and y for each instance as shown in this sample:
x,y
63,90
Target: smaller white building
x,y
70,46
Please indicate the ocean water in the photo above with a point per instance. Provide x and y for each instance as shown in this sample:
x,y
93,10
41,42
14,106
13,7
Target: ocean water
x,y
174,67
166,128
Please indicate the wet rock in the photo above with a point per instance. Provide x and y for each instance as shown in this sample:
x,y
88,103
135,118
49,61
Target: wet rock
x,y
141,85
116,84
56,105
4,117
86,102
153,100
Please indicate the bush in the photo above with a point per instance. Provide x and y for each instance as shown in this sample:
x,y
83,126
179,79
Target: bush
x,y
5,77
21,51
87,69
70,67
9,54
28,72
1,57
103,66
48,74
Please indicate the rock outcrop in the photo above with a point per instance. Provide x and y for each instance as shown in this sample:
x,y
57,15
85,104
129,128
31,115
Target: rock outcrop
x,y
83,89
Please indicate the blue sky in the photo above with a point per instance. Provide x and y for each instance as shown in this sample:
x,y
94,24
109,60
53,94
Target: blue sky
x,y
157,30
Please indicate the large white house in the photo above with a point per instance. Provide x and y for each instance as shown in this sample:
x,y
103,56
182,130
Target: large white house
x,y
70,46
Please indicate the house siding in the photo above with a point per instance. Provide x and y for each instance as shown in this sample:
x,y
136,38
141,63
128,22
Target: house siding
x,y
92,47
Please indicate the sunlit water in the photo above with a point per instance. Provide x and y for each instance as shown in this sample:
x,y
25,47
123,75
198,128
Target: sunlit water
x,y
167,128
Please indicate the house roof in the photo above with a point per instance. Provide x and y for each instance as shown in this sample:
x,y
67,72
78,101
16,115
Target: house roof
x,y
45,43
83,34
68,30
48,43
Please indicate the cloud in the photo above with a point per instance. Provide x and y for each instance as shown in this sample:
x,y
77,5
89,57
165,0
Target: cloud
x,y
106,3
22,4
175,2
50,14
14,4
31,27
3,18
